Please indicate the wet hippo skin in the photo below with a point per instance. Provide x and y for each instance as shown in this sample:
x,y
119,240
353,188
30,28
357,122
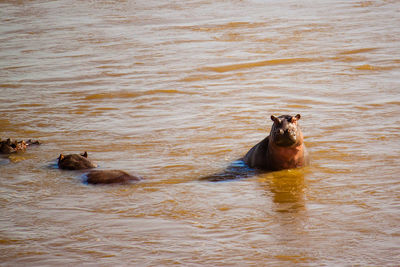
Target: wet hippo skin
x,y
110,177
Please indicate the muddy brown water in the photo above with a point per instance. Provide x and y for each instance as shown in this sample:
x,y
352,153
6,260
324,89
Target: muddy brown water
x,y
176,90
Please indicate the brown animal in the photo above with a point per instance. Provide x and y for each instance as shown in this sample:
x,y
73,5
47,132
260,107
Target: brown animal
x,y
75,162
110,177
8,146
282,149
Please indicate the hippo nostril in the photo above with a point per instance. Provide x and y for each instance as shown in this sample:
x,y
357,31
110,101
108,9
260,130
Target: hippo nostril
x,y
288,133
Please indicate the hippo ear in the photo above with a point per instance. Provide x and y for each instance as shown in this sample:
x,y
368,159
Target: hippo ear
x,y
275,119
296,118
61,157
84,154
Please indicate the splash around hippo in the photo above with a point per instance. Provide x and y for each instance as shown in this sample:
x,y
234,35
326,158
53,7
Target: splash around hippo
x,y
282,149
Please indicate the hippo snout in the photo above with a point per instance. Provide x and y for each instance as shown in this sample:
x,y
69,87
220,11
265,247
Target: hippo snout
x,y
287,134
291,135
286,137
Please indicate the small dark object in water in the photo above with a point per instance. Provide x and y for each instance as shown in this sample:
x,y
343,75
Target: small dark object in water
x,y
31,143
110,177
8,146
75,162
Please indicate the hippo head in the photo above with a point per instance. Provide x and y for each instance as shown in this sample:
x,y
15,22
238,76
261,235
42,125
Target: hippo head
x,y
285,131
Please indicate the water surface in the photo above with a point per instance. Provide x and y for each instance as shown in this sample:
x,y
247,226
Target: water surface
x,y
174,91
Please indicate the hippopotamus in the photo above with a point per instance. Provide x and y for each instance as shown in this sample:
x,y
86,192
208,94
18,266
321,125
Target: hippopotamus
x,y
110,177
282,149
8,146
81,162
75,162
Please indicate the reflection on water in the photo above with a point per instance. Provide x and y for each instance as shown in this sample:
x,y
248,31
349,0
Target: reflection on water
x,y
287,188
176,91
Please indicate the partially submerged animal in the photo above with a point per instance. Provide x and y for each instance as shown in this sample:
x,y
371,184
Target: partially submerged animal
x,y
110,177
81,162
282,149
75,162
8,146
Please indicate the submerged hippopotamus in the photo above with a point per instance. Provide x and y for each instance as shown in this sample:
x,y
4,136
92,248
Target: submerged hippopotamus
x,y
81,162
75,162
282,149
110,177
8,146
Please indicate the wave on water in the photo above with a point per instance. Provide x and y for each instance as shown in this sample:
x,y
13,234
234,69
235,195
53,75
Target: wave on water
x,y
272,62
126,94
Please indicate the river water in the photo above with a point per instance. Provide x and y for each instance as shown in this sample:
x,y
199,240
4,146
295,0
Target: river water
x,y
176,90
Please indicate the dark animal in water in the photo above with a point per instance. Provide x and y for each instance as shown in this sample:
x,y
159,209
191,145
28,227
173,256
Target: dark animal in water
x,y
81,162
110,177
75,162
8,146
282,149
